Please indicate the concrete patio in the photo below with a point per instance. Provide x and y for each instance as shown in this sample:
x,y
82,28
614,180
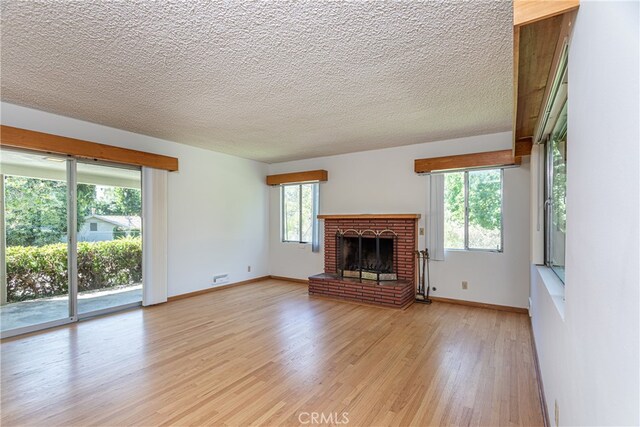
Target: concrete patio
x,y
28,313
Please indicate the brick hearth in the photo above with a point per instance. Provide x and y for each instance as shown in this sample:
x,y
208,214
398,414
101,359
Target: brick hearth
x,y
398,293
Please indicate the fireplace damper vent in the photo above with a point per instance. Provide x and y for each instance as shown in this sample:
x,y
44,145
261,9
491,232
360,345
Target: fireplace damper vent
x,y
367,254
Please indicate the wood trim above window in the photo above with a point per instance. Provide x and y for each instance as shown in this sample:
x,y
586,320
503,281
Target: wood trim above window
x,y
298,177
529,11
369,216
55,144
523,147
541,28
464,161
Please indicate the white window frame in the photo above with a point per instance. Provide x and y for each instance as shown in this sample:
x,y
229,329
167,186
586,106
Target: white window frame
x,y
554,120
549,206
282,213
466,212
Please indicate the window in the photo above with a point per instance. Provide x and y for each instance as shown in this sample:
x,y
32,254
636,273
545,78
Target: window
x,y
556,193
552,131
298,216
93,226
473,210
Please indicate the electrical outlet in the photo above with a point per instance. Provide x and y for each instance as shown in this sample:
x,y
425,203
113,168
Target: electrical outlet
x,y
421,231
465,284
249,268
557,413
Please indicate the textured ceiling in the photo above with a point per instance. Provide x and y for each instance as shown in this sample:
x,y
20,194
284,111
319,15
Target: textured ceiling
x,y
272,80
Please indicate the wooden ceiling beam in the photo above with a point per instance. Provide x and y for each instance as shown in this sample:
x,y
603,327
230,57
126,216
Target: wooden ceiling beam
x,y
54,144
529,11
466,161
298,177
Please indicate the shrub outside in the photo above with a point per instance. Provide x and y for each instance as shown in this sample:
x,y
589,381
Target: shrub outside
x,y
41,271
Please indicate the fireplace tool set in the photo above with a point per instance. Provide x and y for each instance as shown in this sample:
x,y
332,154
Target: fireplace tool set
x,y
422,295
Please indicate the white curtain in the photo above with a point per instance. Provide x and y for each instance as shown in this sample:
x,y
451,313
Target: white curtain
x,y
315,238
154,236
435,217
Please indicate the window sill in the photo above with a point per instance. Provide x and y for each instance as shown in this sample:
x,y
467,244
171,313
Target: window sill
x,y
554,286
488,251
297,245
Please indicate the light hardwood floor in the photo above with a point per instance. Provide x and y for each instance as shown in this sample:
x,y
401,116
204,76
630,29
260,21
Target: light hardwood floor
x,y
267,353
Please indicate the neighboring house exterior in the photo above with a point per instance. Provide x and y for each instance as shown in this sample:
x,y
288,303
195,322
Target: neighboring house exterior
x,y
101,227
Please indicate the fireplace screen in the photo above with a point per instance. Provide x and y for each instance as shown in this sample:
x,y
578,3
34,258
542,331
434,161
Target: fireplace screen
x,y
367,254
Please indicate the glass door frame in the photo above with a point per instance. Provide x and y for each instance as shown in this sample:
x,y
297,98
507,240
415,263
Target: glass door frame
x,y
72,233
72,278
107,310
71,163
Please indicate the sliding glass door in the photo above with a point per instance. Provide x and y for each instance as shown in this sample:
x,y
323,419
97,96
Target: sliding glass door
x,y
35,242
71,240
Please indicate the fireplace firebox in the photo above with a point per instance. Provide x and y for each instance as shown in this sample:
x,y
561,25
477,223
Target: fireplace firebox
x,y
367,254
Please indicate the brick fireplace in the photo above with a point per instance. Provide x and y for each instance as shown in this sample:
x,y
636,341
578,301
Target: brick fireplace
x,y
369,258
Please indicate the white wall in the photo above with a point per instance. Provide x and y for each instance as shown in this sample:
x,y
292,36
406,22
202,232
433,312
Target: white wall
x,y
588,345
217,215
383,181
